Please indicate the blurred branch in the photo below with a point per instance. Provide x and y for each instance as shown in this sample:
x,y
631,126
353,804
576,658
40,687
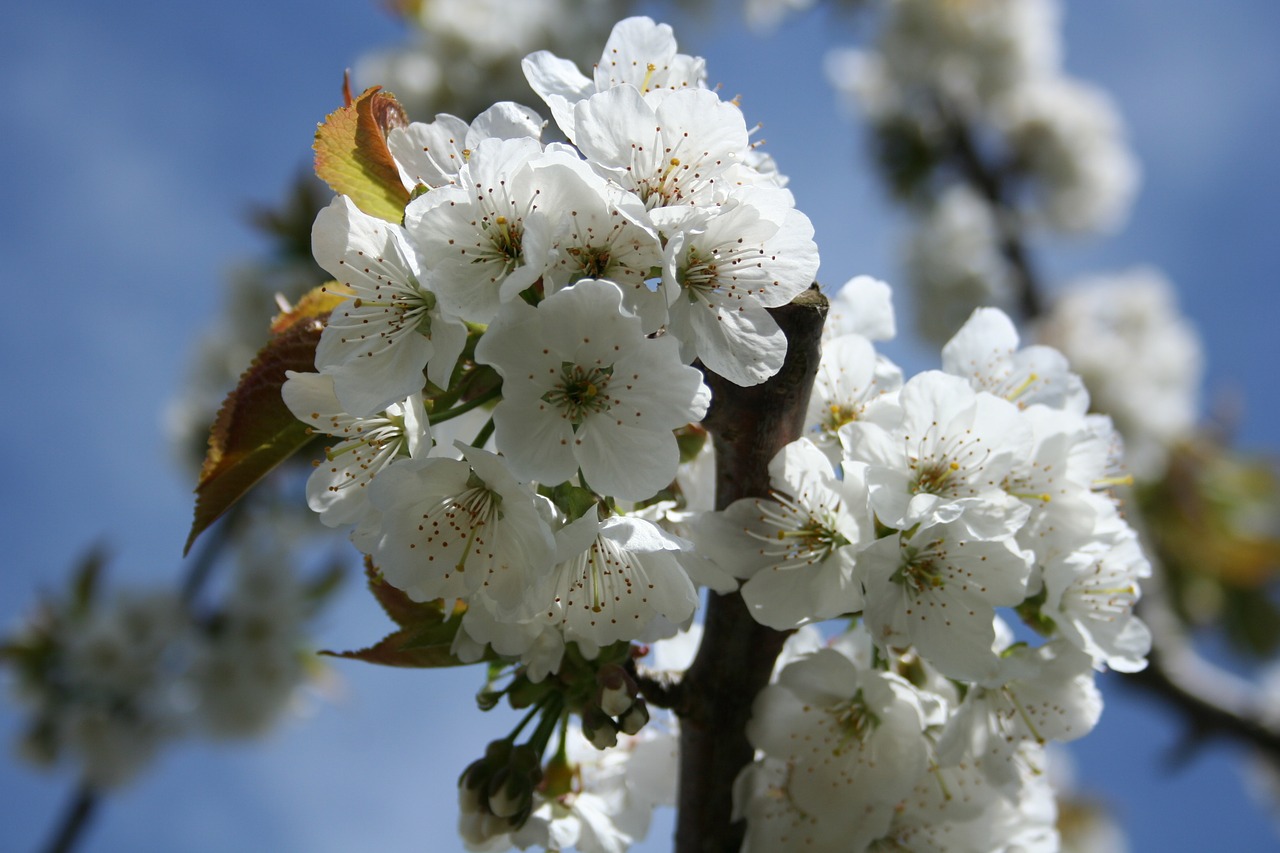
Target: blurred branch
x,y
74,820
992,184
1214,702
86,799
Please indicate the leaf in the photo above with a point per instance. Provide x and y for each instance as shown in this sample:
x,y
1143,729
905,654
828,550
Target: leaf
x,y
84,583
391,651
352,156
402,609
425,638
254,430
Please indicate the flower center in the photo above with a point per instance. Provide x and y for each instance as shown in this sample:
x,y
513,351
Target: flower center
x,y
592,261
700,274
580,391
507,240
920,571
931,477
838,415
854,720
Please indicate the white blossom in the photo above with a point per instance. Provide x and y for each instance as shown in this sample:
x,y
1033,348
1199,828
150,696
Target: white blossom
x,y
585,389
617,579
639,53
377,342
938,590
337,488
449,528
796,549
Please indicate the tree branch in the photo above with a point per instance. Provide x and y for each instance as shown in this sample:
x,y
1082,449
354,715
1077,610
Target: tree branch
x,y
736,657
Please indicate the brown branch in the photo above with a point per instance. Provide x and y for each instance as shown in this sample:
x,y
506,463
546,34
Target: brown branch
x,y
749,426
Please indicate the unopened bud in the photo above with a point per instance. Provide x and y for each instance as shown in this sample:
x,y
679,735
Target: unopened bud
x,y
634,719
509,793
598,728
617,690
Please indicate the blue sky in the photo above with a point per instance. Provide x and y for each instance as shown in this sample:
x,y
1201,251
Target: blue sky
x,y
138,133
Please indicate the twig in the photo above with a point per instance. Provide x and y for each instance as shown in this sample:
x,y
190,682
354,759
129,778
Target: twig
x,y
75,819
86,799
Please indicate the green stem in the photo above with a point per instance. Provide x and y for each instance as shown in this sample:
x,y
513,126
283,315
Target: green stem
x,y
463,408
482,437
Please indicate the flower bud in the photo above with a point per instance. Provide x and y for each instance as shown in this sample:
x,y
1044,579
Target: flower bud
x,y
617,690
598,728
634,719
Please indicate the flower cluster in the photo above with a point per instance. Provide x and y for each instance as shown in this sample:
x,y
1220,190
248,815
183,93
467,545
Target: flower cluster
x,y
506,377
932,510
110,680
569,286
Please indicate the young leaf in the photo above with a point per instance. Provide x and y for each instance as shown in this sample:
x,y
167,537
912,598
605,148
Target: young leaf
x,y
254,430
425,638
352,156
402,609
391,651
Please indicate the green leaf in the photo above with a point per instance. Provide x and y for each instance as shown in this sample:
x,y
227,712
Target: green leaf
x,y
254,430
573,501
352,156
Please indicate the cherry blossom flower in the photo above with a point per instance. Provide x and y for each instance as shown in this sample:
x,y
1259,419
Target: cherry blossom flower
x,y
336,490
939,454
938,591
487,236
449,528
724,268
617,579
796,550
376,343
431,155
852,739
585,389
639,53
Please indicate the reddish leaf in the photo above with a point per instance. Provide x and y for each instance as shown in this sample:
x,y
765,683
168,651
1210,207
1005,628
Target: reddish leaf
x,y
425,638
402,609
391,651
352,155
254,430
